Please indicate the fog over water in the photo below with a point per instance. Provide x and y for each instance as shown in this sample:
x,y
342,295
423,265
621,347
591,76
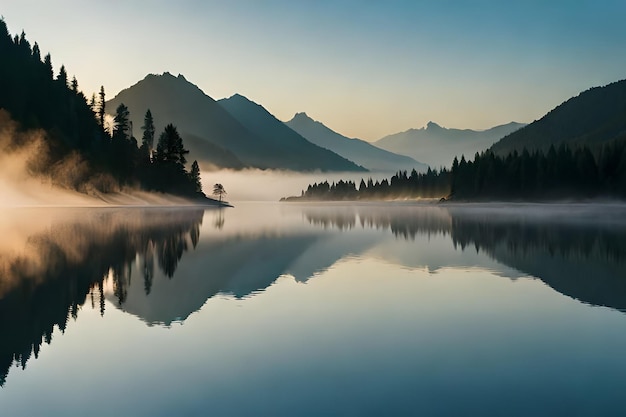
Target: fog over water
x,y
272,185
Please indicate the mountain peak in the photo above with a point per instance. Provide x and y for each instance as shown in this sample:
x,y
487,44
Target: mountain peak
x,y
301,117
238,97
433,125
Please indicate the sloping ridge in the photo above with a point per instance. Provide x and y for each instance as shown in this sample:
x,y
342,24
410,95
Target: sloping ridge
x,y
357,150
175,100
437,145
274,132
593,117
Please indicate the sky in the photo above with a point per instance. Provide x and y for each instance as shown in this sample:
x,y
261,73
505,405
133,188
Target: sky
x,y
364,68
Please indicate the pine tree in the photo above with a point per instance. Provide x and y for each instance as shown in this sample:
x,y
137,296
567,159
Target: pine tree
x,y
170,147
147,139
62,77
121,129
194,175
101,109
48,64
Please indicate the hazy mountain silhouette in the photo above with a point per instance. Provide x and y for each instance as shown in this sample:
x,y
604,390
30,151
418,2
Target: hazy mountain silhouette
x,y
258,120
594,116
437,146
580,262
175,100
357,150
70,258
238,266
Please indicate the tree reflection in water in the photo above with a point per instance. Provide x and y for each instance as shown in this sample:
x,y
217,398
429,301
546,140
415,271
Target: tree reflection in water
x,y
63,265
577,250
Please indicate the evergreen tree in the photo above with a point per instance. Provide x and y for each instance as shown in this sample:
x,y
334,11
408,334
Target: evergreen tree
x,y
92,103
36,52
147,139
170,147
48,64
101,109
194,174
62,77
121,128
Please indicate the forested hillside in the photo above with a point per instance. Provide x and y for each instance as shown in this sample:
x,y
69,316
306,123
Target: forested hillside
x,y
71,126
592,118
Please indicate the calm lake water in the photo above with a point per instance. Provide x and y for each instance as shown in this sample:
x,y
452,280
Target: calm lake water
x,y
274,309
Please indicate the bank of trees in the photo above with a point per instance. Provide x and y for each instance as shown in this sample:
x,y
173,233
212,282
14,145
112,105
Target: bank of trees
x,y
430,184
37,99
560,173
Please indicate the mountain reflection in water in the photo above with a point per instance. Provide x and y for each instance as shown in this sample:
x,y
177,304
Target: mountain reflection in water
x,y
51,273
577,250
134,258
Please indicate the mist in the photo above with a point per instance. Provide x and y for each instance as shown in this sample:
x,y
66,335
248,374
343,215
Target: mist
x,y
272,185
29,177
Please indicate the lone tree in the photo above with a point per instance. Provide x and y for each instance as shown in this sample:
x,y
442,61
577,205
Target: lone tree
x,y
218,190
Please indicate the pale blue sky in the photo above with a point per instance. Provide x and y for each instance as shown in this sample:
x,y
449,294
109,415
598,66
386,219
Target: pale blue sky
x,y
365,68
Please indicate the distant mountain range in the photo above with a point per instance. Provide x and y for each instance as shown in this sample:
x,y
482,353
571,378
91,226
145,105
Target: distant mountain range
x,y
272,131
595,116
437,146
214,136
357,150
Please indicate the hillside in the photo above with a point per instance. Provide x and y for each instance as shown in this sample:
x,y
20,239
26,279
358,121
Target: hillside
x,y
175,100
357,150
437,146
74,150
595,116
274,132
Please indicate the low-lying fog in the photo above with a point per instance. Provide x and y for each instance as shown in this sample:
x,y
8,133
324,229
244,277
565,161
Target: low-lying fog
x,y
270,185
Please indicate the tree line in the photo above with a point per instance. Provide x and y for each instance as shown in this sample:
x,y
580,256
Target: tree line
x,y
561,172
429,184
37,99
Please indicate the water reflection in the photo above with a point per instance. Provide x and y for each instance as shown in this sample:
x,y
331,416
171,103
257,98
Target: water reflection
x,y
64,264
576,249
53,265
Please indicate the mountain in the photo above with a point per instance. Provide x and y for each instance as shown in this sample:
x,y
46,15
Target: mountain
x,y
357,150
200,118
593,117
258,120
73,149
437,146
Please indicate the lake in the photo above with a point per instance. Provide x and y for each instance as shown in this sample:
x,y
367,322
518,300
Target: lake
x,y
268,309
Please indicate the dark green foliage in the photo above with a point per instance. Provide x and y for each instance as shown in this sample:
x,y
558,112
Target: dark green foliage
x,y
194,175
170,148
147,139
35,99
42,300
592,118
557,174
102,107
560,173
432,184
